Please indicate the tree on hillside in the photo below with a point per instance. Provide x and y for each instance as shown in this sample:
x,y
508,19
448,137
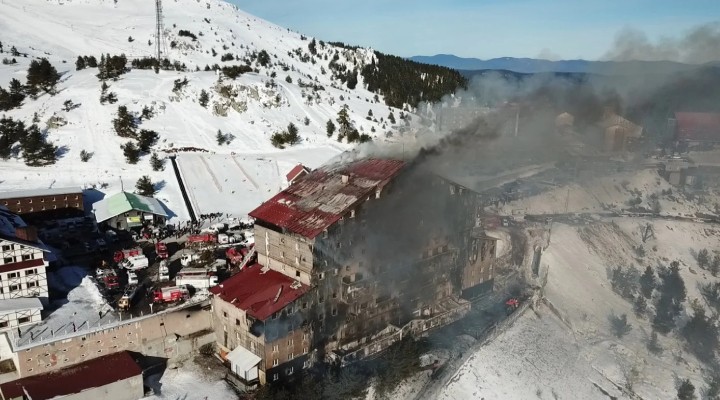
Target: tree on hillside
x,y
42,75
672,294
85,156
147,139
124,123
292,134
131,152
330,128
686,391
157,163
10,132
13,97
647,282
80,63
204,98
352,79
312,47
701,334
111,67
36,150
619,325
344,123
703,258
145,186
715,265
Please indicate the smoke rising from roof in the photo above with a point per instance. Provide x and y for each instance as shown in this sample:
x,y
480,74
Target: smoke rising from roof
x,y
699,45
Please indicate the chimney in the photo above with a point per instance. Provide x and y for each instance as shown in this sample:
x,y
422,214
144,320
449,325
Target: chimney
x,y
28,233
345,178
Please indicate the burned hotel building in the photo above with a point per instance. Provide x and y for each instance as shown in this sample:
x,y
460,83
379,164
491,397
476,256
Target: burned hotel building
x,y
351,258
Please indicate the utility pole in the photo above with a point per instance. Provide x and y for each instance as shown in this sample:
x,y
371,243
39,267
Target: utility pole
x,y
158,34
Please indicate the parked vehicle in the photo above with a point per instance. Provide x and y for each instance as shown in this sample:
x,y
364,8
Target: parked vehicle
x,y
108,278
225,238
199,278
128,297
163,272
171,294
135,263
123,254
132,278
203,238
111,236
187,258
161,250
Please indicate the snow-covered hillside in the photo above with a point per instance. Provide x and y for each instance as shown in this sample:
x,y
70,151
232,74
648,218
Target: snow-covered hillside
x,y
295,87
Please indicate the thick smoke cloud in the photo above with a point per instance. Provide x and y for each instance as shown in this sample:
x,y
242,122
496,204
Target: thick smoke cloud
x,y
700,45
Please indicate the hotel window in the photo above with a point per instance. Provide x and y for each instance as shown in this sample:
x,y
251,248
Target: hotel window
x,y
275,348
42,200
306,364
276,362
305,350
291,356
13,275
290,371
23,320
26,257
321,276
297,274
290,342
276,377
32,284
29,201
297,247
297,261
7,260
352,213
6,247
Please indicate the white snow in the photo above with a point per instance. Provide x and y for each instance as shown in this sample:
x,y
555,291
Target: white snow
x,y
257,107
236,184
188,383
84,302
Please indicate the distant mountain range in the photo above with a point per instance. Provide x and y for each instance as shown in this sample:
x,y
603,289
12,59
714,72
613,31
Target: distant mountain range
x,y
533,66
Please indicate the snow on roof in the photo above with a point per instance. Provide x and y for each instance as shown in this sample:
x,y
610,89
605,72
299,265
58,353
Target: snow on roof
x,y
296,171
93,373
8,306
243,359
123,202
321,198
259,291
40,192
698,126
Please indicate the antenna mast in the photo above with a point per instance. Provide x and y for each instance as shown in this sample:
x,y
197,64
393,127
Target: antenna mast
x,y
158,33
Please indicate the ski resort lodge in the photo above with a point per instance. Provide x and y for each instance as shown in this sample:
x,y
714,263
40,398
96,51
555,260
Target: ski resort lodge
x,y
126,210
43,200
338,277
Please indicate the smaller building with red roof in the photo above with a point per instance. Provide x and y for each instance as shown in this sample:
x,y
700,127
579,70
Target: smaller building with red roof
x,y
258,324
297,172
113,377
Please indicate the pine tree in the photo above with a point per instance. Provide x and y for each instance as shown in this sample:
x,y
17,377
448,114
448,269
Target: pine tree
x,y
91,62
686,391
703,258
330,128
647,282
312,46
715,265
220,138
700,333
131,152
157,163
85,156
36,151
147,139
640,306
42,75
352,80
204,98
343,120
124,123
391,117
145,186
654,344
80,63
292,134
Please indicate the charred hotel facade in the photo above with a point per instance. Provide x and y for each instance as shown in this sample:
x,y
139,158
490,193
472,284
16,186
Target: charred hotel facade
x,y
351,258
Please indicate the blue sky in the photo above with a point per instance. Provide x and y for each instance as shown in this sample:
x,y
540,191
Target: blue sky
x,y
565,29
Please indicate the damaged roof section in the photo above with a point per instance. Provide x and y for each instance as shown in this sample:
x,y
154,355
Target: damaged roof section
x,y
260,291
312,204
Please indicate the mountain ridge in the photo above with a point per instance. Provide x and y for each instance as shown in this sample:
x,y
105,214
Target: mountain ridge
x,y
532,65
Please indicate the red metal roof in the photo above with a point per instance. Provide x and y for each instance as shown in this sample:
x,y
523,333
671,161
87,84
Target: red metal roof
x,y
317,201
698,126
93,373
21,265
260,294
297,170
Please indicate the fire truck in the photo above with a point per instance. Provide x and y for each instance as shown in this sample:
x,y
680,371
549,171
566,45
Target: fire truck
x,y
201,239
198,278
108,277
171,294
161,250
123,254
